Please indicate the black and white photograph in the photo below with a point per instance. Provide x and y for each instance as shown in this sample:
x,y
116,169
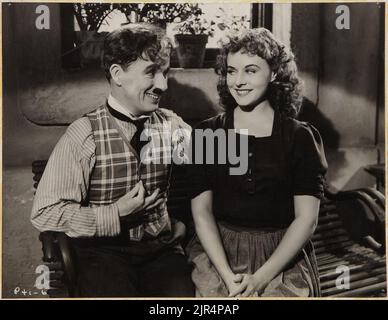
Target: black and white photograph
x,y
229,150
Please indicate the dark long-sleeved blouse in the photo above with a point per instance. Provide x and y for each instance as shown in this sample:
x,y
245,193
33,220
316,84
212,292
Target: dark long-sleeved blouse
x,y
291,161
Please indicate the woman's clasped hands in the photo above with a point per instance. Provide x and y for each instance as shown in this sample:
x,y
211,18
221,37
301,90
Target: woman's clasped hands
x,y
248,285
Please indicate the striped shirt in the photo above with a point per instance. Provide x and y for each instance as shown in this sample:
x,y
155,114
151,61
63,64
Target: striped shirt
x,y
60,200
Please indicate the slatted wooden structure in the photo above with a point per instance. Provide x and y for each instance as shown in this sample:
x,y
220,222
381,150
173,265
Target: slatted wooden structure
x,y
349,239
345,244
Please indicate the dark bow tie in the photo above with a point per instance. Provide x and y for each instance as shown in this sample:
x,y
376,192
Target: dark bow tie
x,y
136,143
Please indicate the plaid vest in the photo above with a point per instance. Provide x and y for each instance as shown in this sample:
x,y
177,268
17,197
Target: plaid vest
x,y
118,168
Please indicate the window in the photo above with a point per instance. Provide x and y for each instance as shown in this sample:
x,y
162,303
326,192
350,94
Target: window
x,y
84,25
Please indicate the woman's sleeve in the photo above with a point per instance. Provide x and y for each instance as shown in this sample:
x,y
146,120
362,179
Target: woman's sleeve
x,y
200,175
309,162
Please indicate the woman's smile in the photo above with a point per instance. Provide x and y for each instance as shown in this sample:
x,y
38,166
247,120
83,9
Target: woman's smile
x,y
242,92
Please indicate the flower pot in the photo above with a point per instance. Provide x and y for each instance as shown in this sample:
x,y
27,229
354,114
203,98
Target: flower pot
x,y
191,50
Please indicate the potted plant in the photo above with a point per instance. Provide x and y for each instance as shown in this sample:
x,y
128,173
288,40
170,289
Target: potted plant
x,y
89,17
156,13
191,39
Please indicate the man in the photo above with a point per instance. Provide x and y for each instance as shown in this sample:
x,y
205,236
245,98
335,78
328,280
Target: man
x,y
98,190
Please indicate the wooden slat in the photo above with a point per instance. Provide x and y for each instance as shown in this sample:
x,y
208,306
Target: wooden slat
x,y
347,254
57,284
328,226
56,275
356,285
354,277
347,257
352,268
328,234
363,292
343,252
354,248
323,218
327,208
357,260
334,247
330,241
340,254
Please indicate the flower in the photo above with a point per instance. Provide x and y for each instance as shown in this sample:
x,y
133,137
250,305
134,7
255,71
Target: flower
x,y
158,13
196,24
231,23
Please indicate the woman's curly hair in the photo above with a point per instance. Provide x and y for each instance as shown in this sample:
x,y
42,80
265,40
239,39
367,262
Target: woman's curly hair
x,y
285,92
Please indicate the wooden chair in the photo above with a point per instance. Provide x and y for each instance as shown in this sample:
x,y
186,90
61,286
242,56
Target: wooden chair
x,y
350,238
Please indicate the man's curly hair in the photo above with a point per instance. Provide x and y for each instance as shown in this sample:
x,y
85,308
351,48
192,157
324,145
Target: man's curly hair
x,y
285,92
126,45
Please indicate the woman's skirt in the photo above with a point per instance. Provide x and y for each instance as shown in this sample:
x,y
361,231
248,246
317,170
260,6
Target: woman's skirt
x,y
247,250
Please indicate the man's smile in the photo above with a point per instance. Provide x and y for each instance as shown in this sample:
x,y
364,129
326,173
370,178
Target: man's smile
x,y
155,97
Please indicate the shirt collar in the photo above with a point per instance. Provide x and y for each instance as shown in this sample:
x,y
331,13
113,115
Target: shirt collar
x,y
116,105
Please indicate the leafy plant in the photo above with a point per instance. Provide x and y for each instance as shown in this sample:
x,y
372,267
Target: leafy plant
x,y
158,13
195,24
231,22
91,15
189,16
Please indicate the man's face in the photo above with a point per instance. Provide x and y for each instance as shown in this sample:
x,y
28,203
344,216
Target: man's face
x,y
142,84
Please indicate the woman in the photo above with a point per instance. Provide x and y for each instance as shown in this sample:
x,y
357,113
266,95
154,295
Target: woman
x,y
253,230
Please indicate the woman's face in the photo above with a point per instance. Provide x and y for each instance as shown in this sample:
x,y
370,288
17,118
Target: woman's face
x,y
247,78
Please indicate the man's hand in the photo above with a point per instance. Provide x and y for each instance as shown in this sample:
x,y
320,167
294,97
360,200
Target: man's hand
x,y
178,232
136,201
